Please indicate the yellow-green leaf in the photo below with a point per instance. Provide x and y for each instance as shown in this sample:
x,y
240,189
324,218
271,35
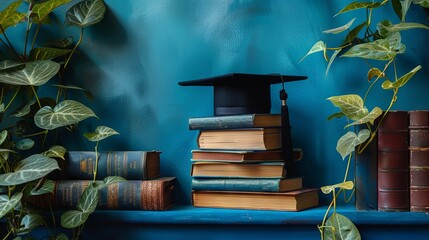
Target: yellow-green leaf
x,y
317,47
351,105
341,28
375,72
374,114
42,10
348,142
348,185
401,81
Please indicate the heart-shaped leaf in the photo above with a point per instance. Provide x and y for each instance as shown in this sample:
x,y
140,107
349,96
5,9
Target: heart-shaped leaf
x,y
88,200
101,132
30,222
55,151
344,228
351,105
401,81
41,10
382,49
9,16
46,53
31,168
341,28
317,47
6,204
353,33
348,142
47,187
73,218
35,73
359,5
64,113
85,13
348,185
374,114
25,109
24,144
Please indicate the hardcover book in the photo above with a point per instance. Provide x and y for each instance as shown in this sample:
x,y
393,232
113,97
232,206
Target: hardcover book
x,y
238,170
156,194
285,201
393,162
131,165
241,139
235,121
419,161
242,156
247,185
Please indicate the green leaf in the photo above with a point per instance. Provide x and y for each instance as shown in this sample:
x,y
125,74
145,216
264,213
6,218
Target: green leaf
x,y
101,132
344,228
374,114
3,136
10,65
30,222
61,236
73,218
42,10
336,115
55,151
353,33
25,109
109,180
375,72
397,8
348,185
72,87
405,26
317,47
31,168
85,13
35,73
401,81
45,53
359,5
6,204
9,16
64,113
382,28
61,43
405,5
423,3
341,28
382,49
351,105
331,60
348,142
88,200
24,144
47,187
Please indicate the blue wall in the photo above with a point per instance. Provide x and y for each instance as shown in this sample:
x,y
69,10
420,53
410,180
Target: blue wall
x,y
134,59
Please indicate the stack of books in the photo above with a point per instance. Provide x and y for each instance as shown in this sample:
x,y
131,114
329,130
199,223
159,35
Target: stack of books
x,y
239,164
145,188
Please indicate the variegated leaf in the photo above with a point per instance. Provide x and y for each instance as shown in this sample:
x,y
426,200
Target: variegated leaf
x,y
30,222
10,65
35,73
61,43
374,114
109,180
24,144
9,16
348,142
341,28
317,47
64,113
46,53
382,49
24,110
101,132
56,151
73,218
6,204
351,105
331,60
61,236
344,228
375,72
405,26
88,200
47,187
348,185
401,81
423,3
29,169
42,10
359,5
3,136
85,13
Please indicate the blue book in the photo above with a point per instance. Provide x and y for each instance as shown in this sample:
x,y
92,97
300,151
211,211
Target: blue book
x,y
235,121
247,185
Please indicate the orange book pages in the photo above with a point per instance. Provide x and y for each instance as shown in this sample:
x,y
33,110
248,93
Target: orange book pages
x,y
255,170
242,156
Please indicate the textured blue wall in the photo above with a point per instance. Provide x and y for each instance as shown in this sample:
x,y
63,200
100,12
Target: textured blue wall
x,y
134,59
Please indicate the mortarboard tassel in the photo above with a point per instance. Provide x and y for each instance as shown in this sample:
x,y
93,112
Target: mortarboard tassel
x,y
286,132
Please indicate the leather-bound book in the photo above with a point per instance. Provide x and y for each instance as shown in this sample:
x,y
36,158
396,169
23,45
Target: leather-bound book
x,y
393,162
419,161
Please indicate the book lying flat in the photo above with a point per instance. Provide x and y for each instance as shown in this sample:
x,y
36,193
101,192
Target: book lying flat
x,y
235,121
286,201
238,170
247,184
242,156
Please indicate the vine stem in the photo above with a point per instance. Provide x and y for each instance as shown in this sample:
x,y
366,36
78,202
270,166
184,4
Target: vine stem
x,y
37,97
96,162
74,49
12,99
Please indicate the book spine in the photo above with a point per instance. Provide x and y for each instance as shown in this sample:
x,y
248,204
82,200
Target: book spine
x,y
129,195
248,185
419,161
393,162
131,165
224,122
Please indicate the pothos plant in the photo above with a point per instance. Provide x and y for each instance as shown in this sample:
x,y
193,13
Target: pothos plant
x,y
368,41
29,122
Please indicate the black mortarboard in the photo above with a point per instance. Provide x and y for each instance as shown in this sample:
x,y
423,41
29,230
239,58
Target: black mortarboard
x,y
240,93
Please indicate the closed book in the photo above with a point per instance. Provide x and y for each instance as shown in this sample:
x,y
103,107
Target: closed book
x,y
419,161
242,156
131,165
247,185
283,201
235,121
241,139
393,162
238,170
156,194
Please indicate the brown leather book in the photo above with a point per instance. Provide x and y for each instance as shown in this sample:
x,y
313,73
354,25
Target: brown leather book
x,y
419,160
393,162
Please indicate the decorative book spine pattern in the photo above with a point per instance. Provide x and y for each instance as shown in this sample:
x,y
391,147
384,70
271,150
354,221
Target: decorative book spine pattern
x,y
419,160
131,165
393,162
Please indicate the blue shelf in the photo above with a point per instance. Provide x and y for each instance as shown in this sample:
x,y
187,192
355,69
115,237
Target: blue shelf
x,y
214,216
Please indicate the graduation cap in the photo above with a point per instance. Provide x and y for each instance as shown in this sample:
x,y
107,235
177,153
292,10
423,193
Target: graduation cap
x,y
242,93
